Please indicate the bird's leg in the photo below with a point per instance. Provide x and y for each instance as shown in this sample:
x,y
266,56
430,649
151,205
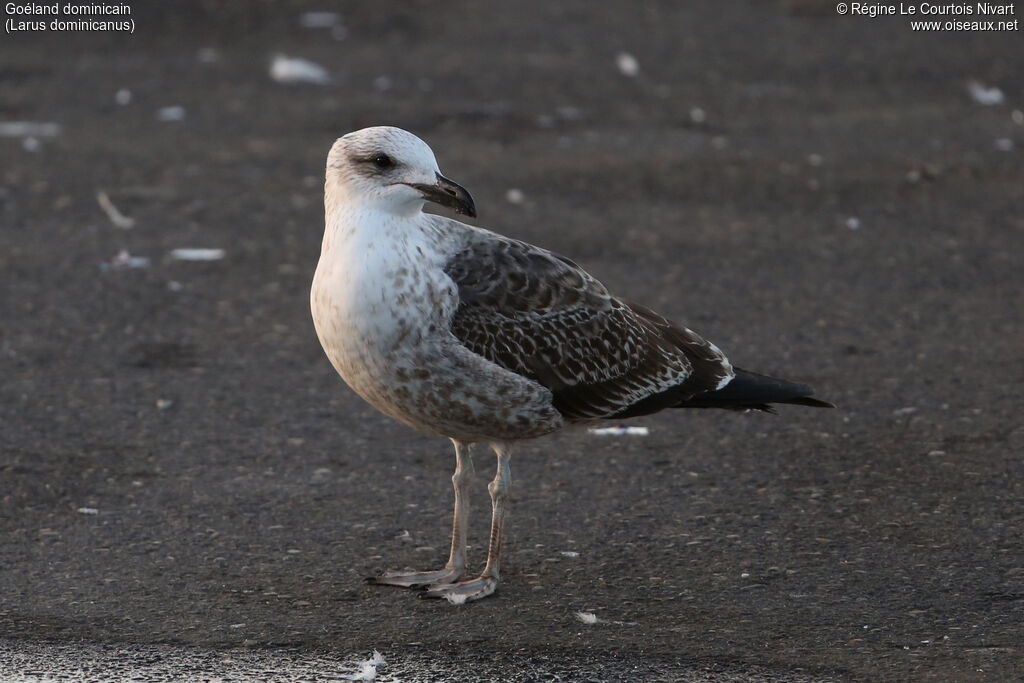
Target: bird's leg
x,y
461,481
487,582
457,558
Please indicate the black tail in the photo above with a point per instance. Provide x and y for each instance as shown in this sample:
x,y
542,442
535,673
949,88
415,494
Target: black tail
x,y
751,391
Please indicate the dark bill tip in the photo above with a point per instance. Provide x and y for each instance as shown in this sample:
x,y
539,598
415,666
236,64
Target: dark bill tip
x,y
448,193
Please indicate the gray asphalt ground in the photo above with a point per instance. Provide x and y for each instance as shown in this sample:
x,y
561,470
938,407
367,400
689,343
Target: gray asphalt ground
x,y
184,482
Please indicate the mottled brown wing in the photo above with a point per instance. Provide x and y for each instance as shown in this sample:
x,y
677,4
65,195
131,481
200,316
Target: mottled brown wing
x,y
542,316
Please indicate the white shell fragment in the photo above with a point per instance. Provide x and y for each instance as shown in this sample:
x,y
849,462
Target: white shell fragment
x,y
621,430
170,114
297,70
988,96
28,129
192,254
515,196
628,66
116,217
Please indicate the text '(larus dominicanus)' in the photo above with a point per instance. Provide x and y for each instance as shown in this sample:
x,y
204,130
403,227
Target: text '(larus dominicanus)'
x,y
463,333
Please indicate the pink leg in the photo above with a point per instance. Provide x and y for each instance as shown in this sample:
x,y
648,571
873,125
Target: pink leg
x,y
456,566
487,582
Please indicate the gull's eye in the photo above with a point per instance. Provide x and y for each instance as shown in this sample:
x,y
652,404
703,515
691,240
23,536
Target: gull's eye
x,y
382,161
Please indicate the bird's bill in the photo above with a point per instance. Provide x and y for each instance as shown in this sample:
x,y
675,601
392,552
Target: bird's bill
x,y
448,193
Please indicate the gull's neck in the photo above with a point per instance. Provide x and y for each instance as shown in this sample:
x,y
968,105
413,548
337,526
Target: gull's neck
x,y
349,217
354,225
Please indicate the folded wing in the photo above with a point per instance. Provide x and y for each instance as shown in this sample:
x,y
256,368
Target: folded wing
x,y
541,316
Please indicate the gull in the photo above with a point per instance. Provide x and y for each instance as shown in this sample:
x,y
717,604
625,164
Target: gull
x,y
463,333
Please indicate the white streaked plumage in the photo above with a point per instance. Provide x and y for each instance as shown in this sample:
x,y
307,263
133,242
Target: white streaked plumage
x,y
460,332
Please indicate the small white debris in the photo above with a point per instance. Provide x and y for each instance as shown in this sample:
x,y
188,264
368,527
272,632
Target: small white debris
x,y
170,114
28,129
190,254
698,115
545,121
936,454
31,144
456,598
1017,116
1004,145
87,511
116,217
367,669
987,96
164,403
297,70
628,66
745,575
815,159
923,172
124,261
569,113
587,617
514,196
853,223
175,286
123,96
619,431
319,19
570,553
208,55
909,410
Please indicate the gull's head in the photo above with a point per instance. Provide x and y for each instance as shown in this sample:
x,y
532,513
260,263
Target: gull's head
x,y
391,170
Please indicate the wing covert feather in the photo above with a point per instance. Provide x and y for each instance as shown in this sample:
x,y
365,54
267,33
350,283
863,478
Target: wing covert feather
x,y
541,316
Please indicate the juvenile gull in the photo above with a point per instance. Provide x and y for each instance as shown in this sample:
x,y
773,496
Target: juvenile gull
x,y
463,333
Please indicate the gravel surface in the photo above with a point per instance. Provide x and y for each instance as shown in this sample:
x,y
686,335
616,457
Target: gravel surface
x,y
835,200
96,663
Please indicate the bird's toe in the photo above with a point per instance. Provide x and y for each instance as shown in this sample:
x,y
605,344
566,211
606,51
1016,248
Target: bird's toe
x,y
416,580
466,591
